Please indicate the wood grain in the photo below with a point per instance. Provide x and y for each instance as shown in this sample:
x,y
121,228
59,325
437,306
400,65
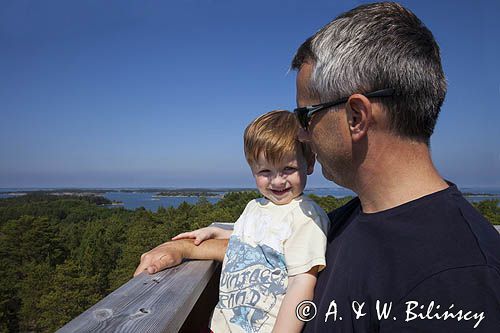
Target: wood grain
x,y
150,303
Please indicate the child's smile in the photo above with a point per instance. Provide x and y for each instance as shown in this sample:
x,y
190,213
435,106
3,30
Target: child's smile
x,y
283,182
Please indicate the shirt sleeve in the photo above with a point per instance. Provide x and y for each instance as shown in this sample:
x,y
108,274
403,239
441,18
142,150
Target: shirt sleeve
x,y
238,224
306,246
464,299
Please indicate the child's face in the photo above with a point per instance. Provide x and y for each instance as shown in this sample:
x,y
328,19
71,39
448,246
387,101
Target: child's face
x,y
283,182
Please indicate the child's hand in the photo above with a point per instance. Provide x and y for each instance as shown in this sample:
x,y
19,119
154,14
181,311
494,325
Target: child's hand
x,y
203,234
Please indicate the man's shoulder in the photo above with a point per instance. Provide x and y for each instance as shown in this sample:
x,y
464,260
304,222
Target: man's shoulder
x,y
345,210
461,223
483,232
340,217
415,240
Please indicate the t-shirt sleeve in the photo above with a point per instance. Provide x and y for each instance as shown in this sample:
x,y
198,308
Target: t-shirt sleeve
x,y
465,299
306,246
241,218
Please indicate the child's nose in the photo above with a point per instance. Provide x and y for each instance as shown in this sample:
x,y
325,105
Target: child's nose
x,y
278,180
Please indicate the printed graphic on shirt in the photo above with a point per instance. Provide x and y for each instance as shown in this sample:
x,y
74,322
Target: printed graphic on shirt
x,y
259,227
251,281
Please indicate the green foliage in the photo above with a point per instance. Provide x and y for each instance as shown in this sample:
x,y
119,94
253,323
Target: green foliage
x,y
59,254
35,284
329,203
70,292
489,209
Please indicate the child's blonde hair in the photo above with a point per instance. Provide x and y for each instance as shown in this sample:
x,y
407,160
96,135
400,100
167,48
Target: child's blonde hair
x,y
275,135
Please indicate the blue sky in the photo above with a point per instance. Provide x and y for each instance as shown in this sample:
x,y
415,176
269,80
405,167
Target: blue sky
x,y
150,93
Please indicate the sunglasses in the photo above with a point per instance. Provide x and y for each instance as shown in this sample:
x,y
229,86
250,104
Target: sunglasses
x,y
304,114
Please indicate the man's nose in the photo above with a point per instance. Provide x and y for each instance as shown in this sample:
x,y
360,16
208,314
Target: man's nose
x,y
303,135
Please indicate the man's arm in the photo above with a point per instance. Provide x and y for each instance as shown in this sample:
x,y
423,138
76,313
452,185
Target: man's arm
x,y
171,254
300,288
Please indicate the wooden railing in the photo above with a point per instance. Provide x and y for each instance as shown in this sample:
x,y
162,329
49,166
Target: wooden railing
x,y
179,299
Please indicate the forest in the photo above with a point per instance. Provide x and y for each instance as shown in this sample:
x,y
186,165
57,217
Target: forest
x,y
59,255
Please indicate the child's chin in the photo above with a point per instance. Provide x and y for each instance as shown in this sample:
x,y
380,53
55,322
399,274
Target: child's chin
x,y
282,201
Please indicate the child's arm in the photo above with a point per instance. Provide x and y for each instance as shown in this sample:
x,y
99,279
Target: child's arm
x,y
300,288
203,234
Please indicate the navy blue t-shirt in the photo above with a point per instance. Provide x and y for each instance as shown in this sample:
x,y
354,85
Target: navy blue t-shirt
x,y
430,265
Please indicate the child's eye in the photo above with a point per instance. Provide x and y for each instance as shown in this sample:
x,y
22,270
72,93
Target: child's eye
x,y
290,169
263,172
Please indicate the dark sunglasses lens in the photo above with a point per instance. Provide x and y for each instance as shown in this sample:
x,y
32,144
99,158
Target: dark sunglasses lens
x,y
302,117
304,121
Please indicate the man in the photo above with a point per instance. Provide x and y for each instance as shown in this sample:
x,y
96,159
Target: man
x,y
409,254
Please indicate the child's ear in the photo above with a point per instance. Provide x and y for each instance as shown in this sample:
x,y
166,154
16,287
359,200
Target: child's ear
x,y
310,164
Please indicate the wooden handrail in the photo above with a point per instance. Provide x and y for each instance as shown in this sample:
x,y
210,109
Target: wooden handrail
x,y
148,303
177,299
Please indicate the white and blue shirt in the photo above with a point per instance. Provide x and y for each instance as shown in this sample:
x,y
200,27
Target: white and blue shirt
x,y
269,243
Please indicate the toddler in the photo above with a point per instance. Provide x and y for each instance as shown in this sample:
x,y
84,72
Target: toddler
x,y
278,243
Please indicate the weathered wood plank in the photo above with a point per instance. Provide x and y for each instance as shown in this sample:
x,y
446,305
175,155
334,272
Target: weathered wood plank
x,y
151,303
148,303
199,318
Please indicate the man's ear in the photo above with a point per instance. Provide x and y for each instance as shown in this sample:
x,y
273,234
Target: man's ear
x,y
359,116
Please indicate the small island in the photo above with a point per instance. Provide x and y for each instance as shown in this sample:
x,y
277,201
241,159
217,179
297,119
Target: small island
x,y
164,194
470,194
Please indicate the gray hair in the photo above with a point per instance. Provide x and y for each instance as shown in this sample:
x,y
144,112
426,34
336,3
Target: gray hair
x,y
379,46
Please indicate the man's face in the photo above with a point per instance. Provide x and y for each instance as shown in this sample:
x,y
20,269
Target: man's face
x,y
328,133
